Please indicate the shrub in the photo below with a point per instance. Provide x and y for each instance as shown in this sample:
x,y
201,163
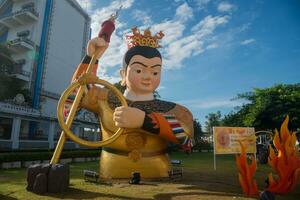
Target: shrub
x,y
203,145
45,155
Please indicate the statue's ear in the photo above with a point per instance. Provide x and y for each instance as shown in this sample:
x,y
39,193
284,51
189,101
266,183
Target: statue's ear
x,y
123,76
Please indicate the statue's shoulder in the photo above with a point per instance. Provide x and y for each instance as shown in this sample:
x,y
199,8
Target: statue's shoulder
x,y
155,105
162,106
185,117
182,113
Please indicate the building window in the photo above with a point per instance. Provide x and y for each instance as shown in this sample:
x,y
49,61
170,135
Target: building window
x,y
88,133
6,8
57,132
33,130
25,33
5,128
3,34
28,5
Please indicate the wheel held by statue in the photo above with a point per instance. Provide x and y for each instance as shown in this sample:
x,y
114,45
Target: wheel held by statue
x,y
84,81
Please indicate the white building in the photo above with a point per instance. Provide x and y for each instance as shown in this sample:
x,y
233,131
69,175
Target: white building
x,y
47,39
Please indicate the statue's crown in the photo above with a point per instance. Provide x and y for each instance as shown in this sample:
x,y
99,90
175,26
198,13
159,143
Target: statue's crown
x,y
146,39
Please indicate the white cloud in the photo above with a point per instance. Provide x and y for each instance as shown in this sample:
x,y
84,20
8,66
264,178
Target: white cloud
x,y
212,46
209,24
248,41
86,4
212,103
184,12
173,30
202,3
102,14
180,48
140,15
114,54
178,44
225,7
244,27
161,87
102,74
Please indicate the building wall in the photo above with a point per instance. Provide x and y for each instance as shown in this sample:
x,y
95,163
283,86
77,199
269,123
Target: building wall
x,y
69,31
5,8
64,50
35,28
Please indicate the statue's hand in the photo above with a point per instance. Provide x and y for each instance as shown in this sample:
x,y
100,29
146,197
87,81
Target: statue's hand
x,y
128,117
96,43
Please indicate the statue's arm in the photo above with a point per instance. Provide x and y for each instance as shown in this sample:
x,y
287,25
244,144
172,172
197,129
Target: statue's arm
x,y
90,100
94,44
82,67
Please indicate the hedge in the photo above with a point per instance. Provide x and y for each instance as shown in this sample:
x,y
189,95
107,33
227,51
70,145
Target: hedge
x,y
203,145
46,155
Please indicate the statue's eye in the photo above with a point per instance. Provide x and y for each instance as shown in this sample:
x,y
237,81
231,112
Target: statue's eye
x,y
155,73
138,71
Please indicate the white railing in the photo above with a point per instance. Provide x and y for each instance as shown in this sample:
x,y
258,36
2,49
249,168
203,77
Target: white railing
x,y
16,109
31,10
21,39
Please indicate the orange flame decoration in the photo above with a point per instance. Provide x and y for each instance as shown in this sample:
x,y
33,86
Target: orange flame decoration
x,y
286,163
246,172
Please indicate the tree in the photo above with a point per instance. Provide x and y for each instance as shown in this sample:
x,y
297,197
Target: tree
x,y
268,107
213,119
5,57
10,86
235,119
120,87
197,130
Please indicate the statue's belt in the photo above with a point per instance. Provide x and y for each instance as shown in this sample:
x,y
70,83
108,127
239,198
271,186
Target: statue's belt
x,y
135,155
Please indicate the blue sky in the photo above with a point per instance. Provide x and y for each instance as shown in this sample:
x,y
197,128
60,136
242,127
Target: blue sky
x,y
212,49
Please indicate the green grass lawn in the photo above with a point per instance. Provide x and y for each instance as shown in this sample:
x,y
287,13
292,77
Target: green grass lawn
x,y
200,181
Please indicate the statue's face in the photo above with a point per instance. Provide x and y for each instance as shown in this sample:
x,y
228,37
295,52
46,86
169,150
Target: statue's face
x,y
143,74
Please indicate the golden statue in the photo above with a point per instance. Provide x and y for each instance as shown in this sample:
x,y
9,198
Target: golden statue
x,y
134,137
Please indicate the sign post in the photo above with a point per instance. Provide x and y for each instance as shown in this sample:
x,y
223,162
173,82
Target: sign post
x,y
226,140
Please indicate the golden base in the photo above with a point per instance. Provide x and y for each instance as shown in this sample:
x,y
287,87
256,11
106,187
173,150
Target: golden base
x,y
114,166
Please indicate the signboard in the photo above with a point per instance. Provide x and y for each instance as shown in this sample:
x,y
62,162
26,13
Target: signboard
x,y
226,139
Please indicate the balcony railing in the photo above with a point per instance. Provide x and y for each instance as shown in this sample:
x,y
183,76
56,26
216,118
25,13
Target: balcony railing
x,y
19,0
20,45
20,17
21,61
17,70
19,74
25,33
9,107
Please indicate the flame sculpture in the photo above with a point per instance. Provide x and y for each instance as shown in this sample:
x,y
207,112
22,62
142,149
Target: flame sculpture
x,y
246,172
286,162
